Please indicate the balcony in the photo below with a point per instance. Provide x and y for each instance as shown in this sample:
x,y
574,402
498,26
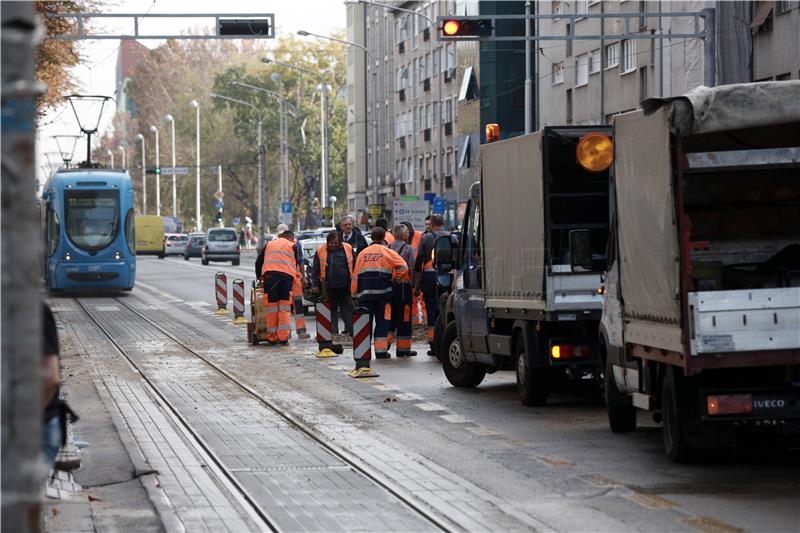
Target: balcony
x,y
402,95
426,84
448,128
426,135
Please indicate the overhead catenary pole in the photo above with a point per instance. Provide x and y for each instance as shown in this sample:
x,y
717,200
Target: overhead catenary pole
x,y
144,175
20,248
124,161
219,188
171,120
198,219
110,155
153,129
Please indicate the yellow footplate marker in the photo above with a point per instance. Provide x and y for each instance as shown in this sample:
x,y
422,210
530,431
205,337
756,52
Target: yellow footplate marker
x,y
362,373
327,352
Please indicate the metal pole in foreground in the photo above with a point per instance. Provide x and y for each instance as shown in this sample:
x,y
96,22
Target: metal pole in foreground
x,y
528,80
21,337
261,191
219,176
144,175
153,129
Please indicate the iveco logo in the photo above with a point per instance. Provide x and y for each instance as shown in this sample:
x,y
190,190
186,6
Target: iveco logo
x,y
768,403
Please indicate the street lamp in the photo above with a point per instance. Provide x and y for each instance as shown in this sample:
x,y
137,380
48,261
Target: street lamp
x,y
153,129
196,105
333,208
110,154
369,55
284,134
171,120
124,161
261,192
144,175
440,136
323,124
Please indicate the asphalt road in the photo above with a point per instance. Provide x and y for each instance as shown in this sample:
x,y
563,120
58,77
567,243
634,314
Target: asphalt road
x,y
559,463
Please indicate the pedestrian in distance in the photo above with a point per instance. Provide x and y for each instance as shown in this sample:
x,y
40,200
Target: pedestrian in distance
x,y
352,235
375,270
331,275
402,297
383,223
425,274
427,225
279,271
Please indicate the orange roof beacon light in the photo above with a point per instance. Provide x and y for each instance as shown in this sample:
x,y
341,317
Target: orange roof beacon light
x,y
492,133
451,27
595,152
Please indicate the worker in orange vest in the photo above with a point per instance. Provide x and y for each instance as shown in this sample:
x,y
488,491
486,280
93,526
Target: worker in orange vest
x,y
401,296
279,272
413,237
298,309
383,223
376,268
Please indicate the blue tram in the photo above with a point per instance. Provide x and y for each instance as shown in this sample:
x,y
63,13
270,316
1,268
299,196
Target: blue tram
x,y
89,230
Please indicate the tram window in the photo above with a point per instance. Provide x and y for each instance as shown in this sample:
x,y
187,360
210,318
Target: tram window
x,y
130,230
53,231
91,218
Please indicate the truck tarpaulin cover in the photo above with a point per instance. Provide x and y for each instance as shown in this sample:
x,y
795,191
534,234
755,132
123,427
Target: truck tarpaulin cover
x,y
648,242
513,222
731,107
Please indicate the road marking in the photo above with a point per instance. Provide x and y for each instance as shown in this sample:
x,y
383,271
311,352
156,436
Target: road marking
x,y
340,367
430,407
159,292
410,396
104,308
706,524
384,386
482,431
518,442
652,501
556,462
455,419
601,481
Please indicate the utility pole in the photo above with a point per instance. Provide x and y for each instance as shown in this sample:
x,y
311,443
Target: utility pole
x,y
23,471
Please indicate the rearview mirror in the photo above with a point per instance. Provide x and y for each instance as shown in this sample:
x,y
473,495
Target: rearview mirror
x,y
580,250
443,254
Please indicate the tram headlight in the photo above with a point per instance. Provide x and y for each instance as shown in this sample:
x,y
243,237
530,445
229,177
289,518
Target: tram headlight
x,y
117,255
67,257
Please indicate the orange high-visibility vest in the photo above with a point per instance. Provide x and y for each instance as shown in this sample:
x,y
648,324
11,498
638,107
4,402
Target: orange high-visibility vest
x,y
376,267
322,254
389,238
279,257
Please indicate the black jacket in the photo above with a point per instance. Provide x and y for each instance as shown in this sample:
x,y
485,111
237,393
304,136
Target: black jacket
x,y
357,241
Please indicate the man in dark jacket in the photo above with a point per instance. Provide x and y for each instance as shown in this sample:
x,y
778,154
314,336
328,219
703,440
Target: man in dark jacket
x,y
352,235
331,275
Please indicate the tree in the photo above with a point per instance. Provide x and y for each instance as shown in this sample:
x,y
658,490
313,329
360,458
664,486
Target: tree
x,y
54,57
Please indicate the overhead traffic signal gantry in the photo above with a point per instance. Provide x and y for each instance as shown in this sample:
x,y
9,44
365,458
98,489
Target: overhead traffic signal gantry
x,y
454,28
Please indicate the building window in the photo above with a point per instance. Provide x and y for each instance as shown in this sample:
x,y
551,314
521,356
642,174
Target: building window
x,y
581,7
628,56
642,19
612,55
594,61
569,106
569,43
783,6
642,83
558,73
582,70
556,7
451,55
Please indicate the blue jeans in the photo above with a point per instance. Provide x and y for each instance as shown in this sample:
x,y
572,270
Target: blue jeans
x,y
51,439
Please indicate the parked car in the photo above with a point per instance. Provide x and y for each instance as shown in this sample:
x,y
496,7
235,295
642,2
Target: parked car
x,y
222,244
194,248
175,243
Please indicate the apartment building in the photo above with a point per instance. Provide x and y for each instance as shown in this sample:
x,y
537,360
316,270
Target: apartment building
x,y
394,104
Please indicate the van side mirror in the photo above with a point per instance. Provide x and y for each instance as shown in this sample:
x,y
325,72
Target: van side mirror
x,y
580,250
443,254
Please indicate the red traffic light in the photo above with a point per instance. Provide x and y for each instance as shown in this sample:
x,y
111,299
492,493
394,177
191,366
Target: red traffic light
x,y
466,27
451,27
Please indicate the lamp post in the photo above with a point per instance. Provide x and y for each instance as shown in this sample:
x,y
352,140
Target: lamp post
x,y
198,222
261,192
124,161
110,155
144,175
323,164
284,133
369,55
153,129
171,120
440,136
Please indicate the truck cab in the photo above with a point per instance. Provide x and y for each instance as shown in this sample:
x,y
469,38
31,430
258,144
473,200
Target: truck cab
x,y
529,264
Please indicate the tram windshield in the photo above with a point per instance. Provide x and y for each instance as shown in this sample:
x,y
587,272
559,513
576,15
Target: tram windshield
x,y
91,217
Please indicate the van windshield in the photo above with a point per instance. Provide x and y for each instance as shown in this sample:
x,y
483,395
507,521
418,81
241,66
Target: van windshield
x,y
91,218
222,236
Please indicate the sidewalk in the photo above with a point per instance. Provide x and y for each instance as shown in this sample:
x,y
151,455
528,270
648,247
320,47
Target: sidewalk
x,y
112,497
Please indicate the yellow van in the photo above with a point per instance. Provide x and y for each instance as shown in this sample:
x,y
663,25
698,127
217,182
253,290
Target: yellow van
x,y
150,235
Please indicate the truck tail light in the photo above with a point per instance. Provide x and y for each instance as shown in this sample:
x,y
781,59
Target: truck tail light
x,y
568,351
729,404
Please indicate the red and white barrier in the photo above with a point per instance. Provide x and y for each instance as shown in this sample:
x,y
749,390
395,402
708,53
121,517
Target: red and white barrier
x,y
324,331
238,301
221,291
362,344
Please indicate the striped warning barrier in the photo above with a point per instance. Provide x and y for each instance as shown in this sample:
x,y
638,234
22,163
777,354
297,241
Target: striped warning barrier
x,y
238,301
362,344
221,290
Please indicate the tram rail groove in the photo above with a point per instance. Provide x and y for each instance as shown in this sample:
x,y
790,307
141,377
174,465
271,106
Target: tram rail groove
x,y
226,477
442,523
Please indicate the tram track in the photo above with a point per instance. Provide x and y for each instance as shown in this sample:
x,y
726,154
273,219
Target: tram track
x,y
226,474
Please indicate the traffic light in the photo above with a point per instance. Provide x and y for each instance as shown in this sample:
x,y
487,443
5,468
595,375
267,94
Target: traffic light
x,y
219,216
461,28
244,27
154,170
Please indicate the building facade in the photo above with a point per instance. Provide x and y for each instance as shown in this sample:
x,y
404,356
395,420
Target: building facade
x,y
396,112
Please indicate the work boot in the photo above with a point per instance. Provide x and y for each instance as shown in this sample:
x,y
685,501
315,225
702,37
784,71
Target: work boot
x,y
283,343
303,334
384,355
409,353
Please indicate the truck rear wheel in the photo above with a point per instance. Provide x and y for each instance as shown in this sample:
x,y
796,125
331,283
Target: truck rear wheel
x,y
676,418
459,373
621,412
531,381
